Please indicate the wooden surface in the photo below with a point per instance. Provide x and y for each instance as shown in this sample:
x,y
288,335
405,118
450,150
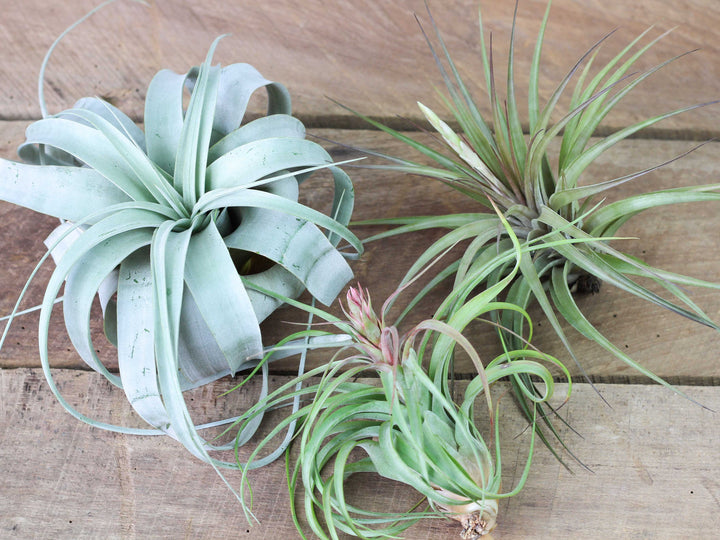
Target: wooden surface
x,y
653,472
367,54
653,455
667,344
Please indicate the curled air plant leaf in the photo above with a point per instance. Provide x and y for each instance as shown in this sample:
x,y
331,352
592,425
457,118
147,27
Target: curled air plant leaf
x,y
165,224
408,426
496,162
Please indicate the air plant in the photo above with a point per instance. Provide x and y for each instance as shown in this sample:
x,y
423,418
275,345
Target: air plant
x,y
164,225
407,425
495,162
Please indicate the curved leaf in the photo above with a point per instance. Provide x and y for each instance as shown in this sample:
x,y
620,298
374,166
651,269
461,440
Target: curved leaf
x,y
71,193
83,282
218,199
136,341
258,159
227,310
276,126
87,145
164,118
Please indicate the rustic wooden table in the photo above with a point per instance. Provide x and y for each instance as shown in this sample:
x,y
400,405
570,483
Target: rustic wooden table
x,y
652,455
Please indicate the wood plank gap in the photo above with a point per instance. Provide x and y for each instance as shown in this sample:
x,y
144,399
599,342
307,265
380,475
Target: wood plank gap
x,y
418,124
652,456
616,380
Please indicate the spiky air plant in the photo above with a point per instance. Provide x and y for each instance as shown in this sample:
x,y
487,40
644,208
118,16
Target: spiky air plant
x,y
542,198
406,427
166,224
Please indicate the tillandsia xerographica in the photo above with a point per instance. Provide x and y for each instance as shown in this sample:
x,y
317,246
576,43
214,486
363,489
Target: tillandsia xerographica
x,y
408,424
542,197
164,225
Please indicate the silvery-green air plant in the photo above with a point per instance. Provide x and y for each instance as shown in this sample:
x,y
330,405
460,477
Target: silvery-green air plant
x,y
406,427
542,198
166,226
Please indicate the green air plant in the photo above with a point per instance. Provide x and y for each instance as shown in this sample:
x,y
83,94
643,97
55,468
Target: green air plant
x,y
166,224
409,428
542,198
407,424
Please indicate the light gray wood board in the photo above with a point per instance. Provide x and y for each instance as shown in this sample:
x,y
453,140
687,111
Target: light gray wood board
x,y
369,55
680,238
653,458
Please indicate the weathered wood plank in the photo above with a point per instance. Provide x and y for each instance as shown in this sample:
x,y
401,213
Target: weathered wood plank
x,y
680,239
369,55
653,460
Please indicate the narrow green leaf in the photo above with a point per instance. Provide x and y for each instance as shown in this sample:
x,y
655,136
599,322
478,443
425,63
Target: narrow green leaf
x,y
566,305
581,162
533,87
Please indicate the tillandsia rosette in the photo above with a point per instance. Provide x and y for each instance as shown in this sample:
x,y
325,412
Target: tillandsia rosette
x,y
405,426
166,225
495,161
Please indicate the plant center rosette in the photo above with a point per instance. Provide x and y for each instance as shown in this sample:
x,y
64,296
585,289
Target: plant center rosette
x,y
168,225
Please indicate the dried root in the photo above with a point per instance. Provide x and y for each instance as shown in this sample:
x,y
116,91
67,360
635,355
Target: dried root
x,y
474,526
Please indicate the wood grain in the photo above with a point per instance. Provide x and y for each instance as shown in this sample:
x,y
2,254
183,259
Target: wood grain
x,y
369,55
652,457
682,239
652,461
